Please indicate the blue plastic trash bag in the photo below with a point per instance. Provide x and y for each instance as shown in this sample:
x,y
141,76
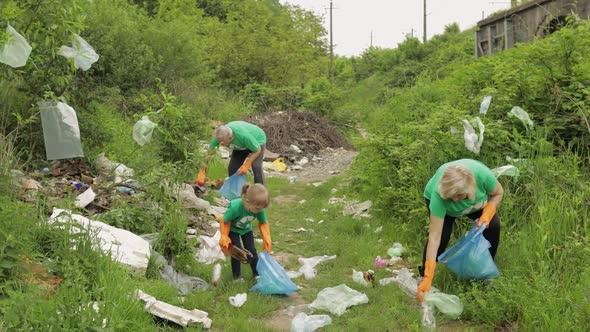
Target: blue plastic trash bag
x,y
273,278
232,187
470,258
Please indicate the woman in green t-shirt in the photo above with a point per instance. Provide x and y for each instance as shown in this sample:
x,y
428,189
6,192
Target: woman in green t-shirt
x,y
247,142
236,225
463,187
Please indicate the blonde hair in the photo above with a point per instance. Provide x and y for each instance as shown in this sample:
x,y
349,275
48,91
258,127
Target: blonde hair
x,y
222,132
255,194
457,180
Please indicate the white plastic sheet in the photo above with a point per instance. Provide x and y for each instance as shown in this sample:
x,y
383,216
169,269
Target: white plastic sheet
x,y
16,50
508,170
83,54
485,104
238,300
304,323
60,130
123,246
308,265
210,251
337,299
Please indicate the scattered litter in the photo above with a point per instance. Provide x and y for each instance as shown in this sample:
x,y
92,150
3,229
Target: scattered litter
x,y
307,268
123,246
85,198
508,170
82,53
107,168
363,278
210,251
317,184
186,195
428,319
473,141
358,210
337,299
449,305
142,130
299,230
302,201
380,262
302,162
184,283
279,165
294,148
309,219
238,300
396,250
180,316
16,50
523,116
216,275
292,178
60,130
485,104
378,229
304,323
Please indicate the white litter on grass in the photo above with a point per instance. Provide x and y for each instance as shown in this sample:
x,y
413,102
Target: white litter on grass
x,y
238,300
308,265
210,251
85,198
180,316
304,323
337,299
123,246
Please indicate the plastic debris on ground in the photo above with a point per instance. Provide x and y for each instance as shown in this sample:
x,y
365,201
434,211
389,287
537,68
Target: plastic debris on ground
x,y
304,323
428,319
449,305
238,300
123,246
180,316
472,140
142,130
273,278
508,170
85,198
308,265
108,168
210,251
337,299
184,283
16,50
485,104
60,130
82,53
523,116
363,278
396,250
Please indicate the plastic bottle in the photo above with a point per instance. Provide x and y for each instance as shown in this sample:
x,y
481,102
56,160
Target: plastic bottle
x,y
216,274
428,320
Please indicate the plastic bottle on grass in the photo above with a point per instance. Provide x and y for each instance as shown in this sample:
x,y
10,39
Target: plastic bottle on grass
x,y
428,320
216,274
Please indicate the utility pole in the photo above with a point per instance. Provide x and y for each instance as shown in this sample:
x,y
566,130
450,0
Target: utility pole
x,y
331,48
424,37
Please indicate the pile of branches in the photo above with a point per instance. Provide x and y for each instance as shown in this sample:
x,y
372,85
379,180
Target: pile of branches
x,y
307,130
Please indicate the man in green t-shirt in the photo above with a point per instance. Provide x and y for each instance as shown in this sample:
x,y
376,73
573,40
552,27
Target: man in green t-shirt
x,y
248,142
463,187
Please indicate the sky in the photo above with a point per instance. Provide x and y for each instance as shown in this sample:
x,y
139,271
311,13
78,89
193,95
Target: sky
x,y
358,24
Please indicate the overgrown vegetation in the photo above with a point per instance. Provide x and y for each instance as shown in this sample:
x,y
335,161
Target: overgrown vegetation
x,y
188,64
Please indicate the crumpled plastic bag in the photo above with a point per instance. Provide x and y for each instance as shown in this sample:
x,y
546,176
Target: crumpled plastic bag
x,y
184,283
16,50
238,300
472,140
448,304
232,187
470,258
210,251
142,130
308,265
396,250
304,323
82,53
337,299
485,104
523,116
508,170
273,278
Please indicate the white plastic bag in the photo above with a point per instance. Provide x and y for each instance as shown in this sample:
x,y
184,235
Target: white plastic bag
x,y
473,141
83,54
485,104
523,116
449,305
238,300
508,170
60,130
142,131
16,51
337,299
304,323
396,250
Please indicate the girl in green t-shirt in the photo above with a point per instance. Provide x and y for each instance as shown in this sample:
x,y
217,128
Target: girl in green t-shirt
x,y
236,225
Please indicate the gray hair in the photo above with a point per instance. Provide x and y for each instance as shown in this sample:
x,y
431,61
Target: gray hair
x,y
222,132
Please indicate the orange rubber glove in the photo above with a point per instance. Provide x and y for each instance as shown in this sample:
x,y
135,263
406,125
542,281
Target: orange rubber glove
x,y
200,178
489,211
426,282
266,240
245,166
224,241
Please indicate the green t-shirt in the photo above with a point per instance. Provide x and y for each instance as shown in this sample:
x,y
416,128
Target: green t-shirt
x,y
246,137
485,182
240,218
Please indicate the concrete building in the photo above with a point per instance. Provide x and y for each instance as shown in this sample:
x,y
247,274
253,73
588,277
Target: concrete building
x,y
527,22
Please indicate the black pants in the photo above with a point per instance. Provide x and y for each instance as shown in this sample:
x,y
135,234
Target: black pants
x,y
237,159
248,241
492,234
